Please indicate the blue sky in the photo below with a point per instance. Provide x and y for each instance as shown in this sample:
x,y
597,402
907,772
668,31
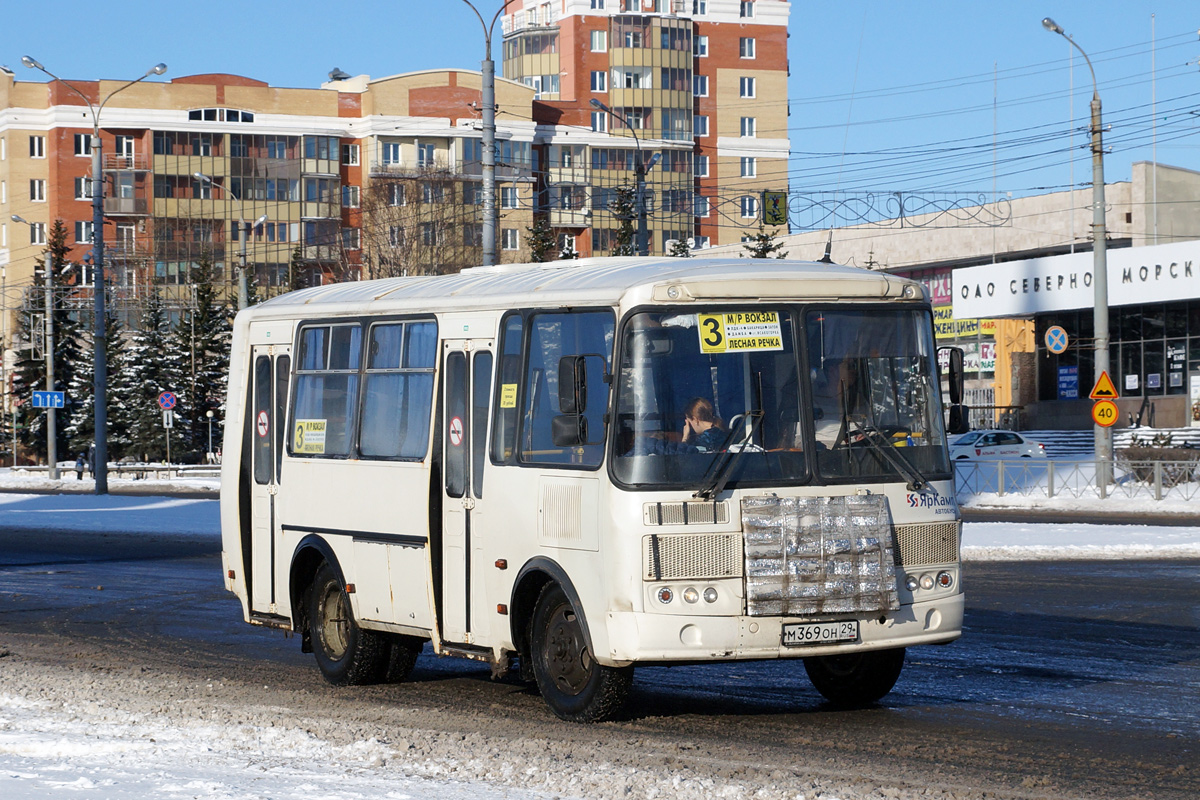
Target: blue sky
x,y
905,90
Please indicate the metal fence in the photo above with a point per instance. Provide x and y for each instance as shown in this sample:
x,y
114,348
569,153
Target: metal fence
x,y
1050,478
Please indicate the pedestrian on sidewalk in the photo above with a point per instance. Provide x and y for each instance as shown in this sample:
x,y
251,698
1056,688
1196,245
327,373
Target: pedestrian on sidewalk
x,y
80,463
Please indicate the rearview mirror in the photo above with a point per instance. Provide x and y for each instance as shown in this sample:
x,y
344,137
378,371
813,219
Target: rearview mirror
x,y
572,385
569,430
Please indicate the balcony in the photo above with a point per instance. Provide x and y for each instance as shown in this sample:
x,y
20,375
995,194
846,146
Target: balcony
x,y
127,206
120,161
570,217
567,175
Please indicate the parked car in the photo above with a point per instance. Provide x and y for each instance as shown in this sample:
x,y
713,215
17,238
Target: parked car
x,y
983,445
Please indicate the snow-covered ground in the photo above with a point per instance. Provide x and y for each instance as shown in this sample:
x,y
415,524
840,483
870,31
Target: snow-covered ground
x,y
92,748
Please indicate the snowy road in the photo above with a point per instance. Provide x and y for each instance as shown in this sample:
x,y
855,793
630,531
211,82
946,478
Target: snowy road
x,y
127,673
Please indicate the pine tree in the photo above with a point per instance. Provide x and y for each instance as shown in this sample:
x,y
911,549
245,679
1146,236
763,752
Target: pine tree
x,y
30,369
202,343
624,208
568,251
80,423
679,249
764,245
542,245
150,368
297,279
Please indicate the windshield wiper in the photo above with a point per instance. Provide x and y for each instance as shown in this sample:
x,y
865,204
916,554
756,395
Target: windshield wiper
x,y
726,459
873,437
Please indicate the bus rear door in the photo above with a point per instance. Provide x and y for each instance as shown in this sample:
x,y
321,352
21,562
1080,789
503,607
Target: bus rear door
x,y
271,372
467,395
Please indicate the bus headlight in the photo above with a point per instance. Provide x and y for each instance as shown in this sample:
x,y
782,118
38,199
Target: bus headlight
x,y
690,595
927,582
710,595
911,583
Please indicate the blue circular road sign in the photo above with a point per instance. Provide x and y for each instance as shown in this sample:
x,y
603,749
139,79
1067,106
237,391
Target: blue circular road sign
x,y
1056,339
167,400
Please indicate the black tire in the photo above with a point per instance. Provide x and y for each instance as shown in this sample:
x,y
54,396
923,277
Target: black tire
x,y
572,683
346,654
402,657
855,679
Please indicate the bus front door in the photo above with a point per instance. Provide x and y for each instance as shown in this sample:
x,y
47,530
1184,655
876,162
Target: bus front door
x,y
467,397
271,372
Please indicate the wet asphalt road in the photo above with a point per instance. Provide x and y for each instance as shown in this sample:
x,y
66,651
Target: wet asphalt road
x,y
1073,679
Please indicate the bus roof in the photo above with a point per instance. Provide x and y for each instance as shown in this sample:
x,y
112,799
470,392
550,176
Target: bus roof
x,y
595,281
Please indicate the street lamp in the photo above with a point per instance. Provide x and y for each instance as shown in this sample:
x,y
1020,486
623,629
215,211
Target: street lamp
x,y
640,169
51,416
243,291
1103,435
100,383
488,112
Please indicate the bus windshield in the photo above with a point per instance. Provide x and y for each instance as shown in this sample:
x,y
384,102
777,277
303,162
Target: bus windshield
x,y
766,396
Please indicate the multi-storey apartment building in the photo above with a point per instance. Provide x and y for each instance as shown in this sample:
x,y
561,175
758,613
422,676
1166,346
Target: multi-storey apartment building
x,y
702,83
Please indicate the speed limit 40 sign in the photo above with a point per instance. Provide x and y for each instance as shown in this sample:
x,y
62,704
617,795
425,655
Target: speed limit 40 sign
x,y
1104,413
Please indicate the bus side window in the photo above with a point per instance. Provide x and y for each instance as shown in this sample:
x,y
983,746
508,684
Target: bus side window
x,y
262,406
326,390
283,374
504,425
398,390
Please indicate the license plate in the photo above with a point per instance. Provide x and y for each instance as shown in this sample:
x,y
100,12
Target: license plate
x,y
810,633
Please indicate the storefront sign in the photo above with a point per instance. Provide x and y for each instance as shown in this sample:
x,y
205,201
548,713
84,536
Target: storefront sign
x,y
1157,274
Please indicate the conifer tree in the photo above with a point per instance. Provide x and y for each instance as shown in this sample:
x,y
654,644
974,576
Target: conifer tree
x,y
80,424
764,245
568,251
679,249
30,368
542,245
150,368
623,207
202,339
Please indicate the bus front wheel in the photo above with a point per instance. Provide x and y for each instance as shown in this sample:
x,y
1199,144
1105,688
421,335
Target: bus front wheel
x,y
573,684
346,654
855,679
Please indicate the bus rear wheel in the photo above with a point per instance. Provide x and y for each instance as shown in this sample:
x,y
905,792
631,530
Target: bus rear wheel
x,y
573,684
855,679
346,654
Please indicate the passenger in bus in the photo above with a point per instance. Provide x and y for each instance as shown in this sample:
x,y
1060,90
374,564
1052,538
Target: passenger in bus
x,y
703,432
835,399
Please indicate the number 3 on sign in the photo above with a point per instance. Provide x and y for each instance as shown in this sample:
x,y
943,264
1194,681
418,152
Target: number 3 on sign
x,y
712,333
1104,413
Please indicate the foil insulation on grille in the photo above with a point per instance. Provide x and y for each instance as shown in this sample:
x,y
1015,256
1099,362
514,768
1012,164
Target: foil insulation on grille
x,y
816,555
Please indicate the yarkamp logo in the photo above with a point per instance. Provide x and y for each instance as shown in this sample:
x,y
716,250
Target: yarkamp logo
x,y
942,504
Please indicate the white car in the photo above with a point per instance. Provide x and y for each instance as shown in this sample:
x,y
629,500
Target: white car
x,y
995,445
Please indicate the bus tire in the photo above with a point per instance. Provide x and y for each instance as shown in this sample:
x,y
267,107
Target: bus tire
x,y
855,679
346,654
573,684
402,657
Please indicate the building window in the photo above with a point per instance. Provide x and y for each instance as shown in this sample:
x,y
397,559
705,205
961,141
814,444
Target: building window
x,y
700,166
600,121
599,81
700,46
746,87
472,194
395,193
37,190
432,234
510,238
433,192
700,85
37,233
749,167
351,239
746,47
598,5
83,144
633,39
83,189
699,242
749,126
746,9
701,206
83,232
391,152
599,41
37,146
350,155
749,206
425,154
700,126
508,197
350,196
395,236
699,7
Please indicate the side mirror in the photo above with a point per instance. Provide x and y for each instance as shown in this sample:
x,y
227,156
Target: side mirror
x,y
569,430
960,419
572,385
956,376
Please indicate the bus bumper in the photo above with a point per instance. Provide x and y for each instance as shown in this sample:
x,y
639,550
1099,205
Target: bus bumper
x,y
655,638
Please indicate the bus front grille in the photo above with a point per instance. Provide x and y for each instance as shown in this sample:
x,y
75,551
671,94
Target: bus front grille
x,y
691,556
931,543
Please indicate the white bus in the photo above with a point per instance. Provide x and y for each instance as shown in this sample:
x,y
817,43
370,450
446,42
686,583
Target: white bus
x,y
576,467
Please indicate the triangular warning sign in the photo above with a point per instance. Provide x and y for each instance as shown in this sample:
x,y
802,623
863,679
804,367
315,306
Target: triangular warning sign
x,y
1104,389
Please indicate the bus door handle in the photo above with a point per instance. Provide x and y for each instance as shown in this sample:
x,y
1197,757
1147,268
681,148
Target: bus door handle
x,y
468,503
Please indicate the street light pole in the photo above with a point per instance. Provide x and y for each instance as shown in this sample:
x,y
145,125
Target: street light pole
x,y
1103,435
640,168
209,414
246,228
100,383
51,415
491,218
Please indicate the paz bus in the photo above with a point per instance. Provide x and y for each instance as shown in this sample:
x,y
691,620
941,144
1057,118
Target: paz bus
x,y
573,468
